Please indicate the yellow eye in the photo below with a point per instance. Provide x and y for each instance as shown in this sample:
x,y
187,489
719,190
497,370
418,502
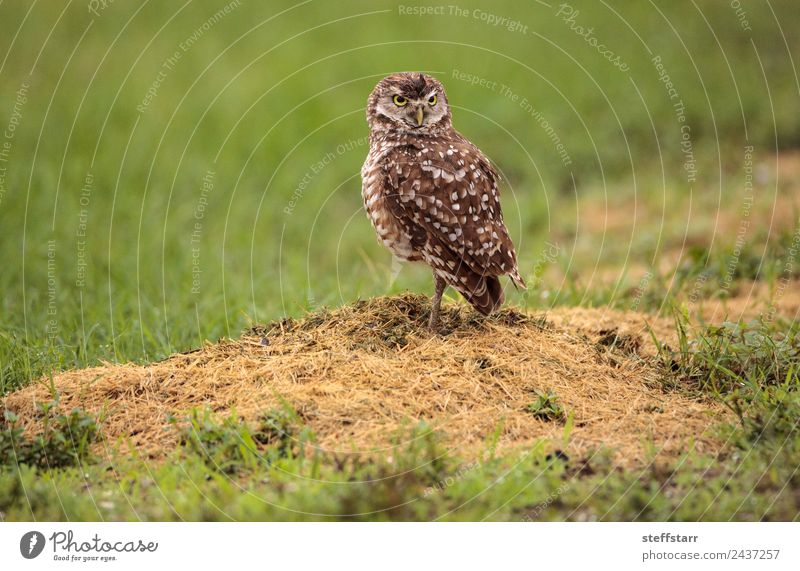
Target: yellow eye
x,y
432,100
399,100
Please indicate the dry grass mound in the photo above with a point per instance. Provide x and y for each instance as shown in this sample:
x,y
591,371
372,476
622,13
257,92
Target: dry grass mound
x,y
358,374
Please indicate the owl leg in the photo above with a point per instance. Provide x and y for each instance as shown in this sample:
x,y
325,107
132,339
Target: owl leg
x,y
438,286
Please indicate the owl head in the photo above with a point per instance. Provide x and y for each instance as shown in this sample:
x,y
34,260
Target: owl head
x,y
409,102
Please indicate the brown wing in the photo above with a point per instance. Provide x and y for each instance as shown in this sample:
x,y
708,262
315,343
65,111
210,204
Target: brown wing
x,y
445,195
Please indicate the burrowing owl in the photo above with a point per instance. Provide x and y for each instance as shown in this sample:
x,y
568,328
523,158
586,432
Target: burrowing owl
x,y
432,195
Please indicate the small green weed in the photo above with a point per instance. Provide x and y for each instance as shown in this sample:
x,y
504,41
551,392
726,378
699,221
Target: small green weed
x,y
546,407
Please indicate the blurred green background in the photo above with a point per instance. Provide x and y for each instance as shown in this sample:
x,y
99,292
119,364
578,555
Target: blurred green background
x,y
172,172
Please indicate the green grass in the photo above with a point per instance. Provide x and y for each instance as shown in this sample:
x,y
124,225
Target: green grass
x,y
104,215
269,91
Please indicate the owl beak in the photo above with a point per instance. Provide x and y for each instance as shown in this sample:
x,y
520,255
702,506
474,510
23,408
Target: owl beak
x,y
420,116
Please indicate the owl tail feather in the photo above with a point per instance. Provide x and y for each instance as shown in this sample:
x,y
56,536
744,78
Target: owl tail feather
x,y
517,279
485,294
